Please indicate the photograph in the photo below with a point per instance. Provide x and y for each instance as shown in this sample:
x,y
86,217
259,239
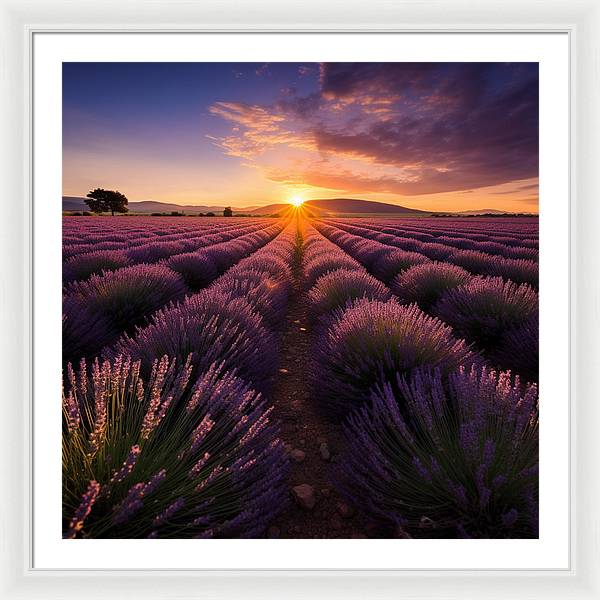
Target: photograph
x,y
300,300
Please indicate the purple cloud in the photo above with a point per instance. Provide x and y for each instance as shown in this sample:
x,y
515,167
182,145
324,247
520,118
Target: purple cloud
x,y
460,125
424,127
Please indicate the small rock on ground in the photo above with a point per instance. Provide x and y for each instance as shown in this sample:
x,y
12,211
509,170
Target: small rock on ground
x,y
304,495
426,523
298,455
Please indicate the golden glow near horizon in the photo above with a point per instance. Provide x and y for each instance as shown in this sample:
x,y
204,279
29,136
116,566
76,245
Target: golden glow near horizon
x,y
296,201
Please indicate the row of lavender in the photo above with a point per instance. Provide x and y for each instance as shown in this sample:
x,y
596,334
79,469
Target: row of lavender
x,y
106,237
520,227
130,230
104,251
496,315
518,264
491,243
168,435
97,310
439,444
494,262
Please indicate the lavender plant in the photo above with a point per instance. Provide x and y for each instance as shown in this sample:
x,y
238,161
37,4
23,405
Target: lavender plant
x,y
322,263
126,296
460,460
213,326
473,261
517,270
336,289
266,294
425,283
83,265
519,349
154,251
196,268
485,308
392,262
96,311
372,341
435,251
166,458
275,264
83,331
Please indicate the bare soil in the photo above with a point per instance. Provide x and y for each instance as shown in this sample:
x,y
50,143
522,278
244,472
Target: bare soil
x,y
304,428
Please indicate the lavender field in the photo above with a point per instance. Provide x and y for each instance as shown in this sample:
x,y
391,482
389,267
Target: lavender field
x,y
300,377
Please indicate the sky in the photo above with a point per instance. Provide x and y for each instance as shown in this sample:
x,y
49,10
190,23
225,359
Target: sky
x,y
431,136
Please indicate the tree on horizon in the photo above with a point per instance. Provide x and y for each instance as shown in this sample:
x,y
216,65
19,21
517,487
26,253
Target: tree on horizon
x,y
228,212
101,200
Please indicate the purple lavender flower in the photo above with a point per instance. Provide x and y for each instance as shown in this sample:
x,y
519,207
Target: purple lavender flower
x,y
130,505
127,466
83,510
71,411
391,263
324,263
268,260
267,295
371,342
169,512
101,381
516,270
83,265
458,450
134,501
198,269
483,309
425,283
105,305
338,288
214,328
205,453
154,251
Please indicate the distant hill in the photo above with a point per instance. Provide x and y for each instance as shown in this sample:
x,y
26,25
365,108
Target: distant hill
x,y
319,207
353,205
348,206
77,204
269,209
485,212
480,211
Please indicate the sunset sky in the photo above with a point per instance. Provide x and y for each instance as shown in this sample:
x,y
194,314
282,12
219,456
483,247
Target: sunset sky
x,y
432,136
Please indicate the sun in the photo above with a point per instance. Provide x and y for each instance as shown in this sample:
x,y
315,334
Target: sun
x,y
296,201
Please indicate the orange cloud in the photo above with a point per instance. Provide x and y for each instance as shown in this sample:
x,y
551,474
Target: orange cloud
x,y
403,129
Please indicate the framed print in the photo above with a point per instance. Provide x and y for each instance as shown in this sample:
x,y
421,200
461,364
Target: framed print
x,y
300,307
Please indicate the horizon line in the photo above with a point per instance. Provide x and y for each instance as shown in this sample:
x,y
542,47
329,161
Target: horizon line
x,y
256,206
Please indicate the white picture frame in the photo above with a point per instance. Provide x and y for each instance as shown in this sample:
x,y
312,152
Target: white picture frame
x,y
20,22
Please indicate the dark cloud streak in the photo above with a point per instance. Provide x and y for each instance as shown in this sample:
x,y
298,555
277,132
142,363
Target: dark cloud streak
x,y
458,125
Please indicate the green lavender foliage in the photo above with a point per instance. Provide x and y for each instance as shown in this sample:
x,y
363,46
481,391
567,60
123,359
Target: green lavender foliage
x,y
171,458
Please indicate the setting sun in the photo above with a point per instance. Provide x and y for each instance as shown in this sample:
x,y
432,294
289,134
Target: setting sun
x,y
296,201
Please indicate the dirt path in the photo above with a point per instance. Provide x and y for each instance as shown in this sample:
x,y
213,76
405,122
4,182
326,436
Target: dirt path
x,y
313,442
